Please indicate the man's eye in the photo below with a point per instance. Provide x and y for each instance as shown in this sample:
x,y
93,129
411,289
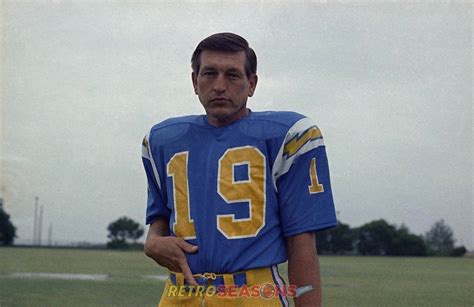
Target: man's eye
x,y
208,73
233,76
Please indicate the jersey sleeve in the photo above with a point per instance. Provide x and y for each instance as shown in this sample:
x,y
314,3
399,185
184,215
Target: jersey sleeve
x,y
156,205
301,178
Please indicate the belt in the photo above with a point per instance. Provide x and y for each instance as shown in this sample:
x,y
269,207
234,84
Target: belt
x,y
211,279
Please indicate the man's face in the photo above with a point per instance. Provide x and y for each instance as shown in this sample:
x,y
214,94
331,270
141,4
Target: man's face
x,y
222,86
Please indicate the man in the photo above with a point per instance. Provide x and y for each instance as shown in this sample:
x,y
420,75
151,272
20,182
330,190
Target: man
x,y
233,193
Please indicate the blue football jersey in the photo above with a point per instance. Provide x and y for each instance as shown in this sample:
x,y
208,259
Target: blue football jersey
x,y
238,191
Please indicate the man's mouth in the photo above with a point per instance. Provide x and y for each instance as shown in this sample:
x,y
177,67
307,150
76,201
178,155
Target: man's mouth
x,y
220,101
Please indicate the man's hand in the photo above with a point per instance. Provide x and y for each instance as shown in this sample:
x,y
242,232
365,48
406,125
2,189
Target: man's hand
x,y
169,251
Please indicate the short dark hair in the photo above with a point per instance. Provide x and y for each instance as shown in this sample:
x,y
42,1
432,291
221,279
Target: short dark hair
x,y
225,42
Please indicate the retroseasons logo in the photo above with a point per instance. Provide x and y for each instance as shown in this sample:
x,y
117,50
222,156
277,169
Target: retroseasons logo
x,y
266,291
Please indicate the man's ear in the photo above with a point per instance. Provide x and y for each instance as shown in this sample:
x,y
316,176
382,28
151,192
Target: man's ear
x,y
253,84
194,79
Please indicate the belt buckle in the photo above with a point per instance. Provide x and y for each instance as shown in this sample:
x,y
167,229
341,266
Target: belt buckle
x,y
207,279
208,276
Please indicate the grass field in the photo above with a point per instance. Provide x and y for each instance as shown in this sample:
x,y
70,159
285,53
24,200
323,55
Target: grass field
x,y
347,281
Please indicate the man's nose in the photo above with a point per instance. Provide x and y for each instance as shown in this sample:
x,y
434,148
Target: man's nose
x,y
220,83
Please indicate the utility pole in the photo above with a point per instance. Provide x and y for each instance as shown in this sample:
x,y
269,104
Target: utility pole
x,y
50,234
35,222
40,225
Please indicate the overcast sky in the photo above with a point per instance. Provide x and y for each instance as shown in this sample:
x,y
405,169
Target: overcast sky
x,y
390,86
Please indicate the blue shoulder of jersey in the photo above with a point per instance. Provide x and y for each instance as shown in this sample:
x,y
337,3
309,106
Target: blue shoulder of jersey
x,y
271,124
174,127
283,118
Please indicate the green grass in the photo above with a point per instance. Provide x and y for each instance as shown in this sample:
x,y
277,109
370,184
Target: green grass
x,y
391,281
126,286
347,281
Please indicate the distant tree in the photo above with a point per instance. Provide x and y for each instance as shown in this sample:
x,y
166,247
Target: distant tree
x,y
323,244
381,238
7,230
342,239
122,232
406,244
458,251
375,238
338,240
439,239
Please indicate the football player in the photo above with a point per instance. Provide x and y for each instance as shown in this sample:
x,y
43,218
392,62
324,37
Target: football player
x,y
233,193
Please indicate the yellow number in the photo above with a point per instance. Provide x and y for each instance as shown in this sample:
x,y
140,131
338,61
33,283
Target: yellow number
x,y
177,168
315,186
251,191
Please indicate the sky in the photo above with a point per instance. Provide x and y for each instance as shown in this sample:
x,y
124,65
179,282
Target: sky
x,y
389,84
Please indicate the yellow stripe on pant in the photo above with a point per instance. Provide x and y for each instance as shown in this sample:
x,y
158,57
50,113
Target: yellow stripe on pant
x,y
260,290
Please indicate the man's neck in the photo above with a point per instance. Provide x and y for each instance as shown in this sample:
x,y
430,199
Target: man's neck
x,y
216,122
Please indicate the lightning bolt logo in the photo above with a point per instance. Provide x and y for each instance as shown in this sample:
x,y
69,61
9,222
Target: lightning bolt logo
x,y
295,144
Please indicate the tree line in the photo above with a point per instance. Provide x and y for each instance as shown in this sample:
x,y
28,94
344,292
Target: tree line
x,y
379,238
374,238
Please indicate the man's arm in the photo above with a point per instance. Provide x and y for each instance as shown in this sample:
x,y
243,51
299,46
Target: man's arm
x,y
303,268
168,251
